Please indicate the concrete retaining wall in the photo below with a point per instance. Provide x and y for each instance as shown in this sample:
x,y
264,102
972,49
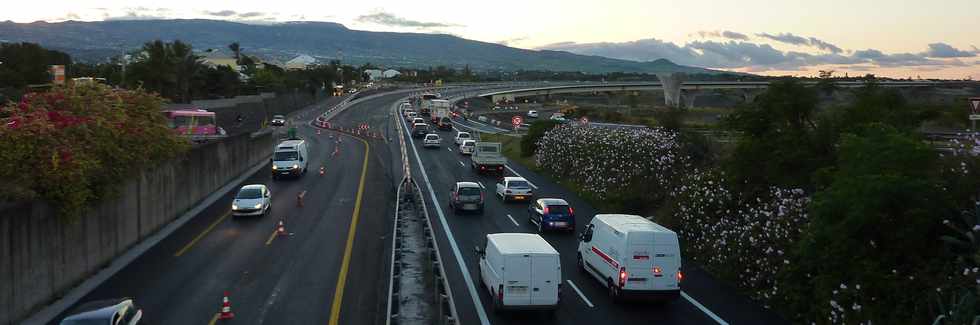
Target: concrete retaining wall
x,y
256,108
42,257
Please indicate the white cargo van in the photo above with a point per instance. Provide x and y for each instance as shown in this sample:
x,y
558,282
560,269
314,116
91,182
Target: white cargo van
x,y
632,256
521,271
290,159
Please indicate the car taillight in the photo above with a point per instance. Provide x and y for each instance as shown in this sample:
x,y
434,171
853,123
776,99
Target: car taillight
x,y
545,210
657,271
680,276
622,277
483,167
571,211
500,168
500,293
481,196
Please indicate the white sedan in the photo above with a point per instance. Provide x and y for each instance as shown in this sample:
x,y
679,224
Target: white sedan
x,y
431,140
252,200
462,136
514,188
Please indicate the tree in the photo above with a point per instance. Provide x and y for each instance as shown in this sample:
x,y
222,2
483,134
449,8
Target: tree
x,y
28,63
186,66
154,68
236,49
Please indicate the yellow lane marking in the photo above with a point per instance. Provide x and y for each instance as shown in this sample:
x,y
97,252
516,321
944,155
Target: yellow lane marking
x,y
272,237
338,296
214,319
201,235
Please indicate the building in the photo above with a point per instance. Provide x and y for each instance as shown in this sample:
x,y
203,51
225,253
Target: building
x,y
216,58
390,73
374,74
300,62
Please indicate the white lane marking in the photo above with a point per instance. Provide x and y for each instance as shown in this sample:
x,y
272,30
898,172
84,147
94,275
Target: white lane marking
x,y
519,175
481,184
448,148
703,309
514,221
461,164
477,304
580,294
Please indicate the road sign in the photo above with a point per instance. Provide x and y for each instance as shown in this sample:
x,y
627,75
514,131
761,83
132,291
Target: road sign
x,y
584,120
516,120
974,117
975,105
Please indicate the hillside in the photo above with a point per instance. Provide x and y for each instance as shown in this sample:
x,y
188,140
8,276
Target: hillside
x,y
95,41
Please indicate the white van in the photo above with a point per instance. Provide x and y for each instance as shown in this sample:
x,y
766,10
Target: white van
x,y
290,159
521,271
632,256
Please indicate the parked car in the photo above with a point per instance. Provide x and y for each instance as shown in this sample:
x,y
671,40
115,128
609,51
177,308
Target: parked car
x,y
431,140
252,200
520,271
632,256
462,136
121,311
532,113
551,214
278,120
514,188
419,130
466,196
467,147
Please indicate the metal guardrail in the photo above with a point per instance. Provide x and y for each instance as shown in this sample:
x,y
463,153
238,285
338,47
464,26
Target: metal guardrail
x,y
410,211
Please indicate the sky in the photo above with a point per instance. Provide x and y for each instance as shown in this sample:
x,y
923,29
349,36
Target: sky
x,y
896,38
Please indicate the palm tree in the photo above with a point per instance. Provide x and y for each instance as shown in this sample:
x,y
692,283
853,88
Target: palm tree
x,y
158,66
237,50
186,65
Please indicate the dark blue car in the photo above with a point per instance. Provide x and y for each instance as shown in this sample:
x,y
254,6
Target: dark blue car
x,y
551,214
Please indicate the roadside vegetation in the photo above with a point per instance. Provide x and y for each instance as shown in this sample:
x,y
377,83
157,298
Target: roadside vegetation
x,y
73,146
826,215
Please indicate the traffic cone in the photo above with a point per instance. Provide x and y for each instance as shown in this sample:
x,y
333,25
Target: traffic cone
x,y
322,171
280,230
226,308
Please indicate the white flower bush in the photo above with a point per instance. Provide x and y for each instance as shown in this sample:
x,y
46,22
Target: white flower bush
x,y
743,240
605,160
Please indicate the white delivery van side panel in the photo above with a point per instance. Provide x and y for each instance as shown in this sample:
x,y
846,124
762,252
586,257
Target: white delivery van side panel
x,y
517,280
545,279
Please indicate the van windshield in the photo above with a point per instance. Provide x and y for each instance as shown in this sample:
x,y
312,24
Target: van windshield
x,y
286,156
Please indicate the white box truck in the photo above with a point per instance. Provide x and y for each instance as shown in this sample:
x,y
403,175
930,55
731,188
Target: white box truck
x,y
441,115
290,158
487,158
520,271
632,256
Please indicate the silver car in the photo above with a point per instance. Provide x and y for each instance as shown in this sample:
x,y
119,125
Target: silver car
x,y
252,200
105,312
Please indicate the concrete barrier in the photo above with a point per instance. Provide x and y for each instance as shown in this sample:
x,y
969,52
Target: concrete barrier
x,y
43,256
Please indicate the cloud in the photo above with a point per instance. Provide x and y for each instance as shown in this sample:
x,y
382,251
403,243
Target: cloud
x,y
136,13
388,19
250,14
508,42
943,50
825,45
723,34
222,13
748,55
787,38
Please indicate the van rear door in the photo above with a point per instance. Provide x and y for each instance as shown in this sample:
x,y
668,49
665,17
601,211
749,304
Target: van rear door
x,y
517,280
639,258
545,278
667,256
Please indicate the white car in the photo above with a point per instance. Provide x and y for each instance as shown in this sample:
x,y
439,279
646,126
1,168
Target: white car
x,y
411,115
418,120
252,200
462,136
407,111
120,311
532,113
514,188
632,256
467,147
520,271
432,140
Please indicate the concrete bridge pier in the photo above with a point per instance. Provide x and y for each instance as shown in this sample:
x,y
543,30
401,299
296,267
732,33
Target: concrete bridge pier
x,y
672,87
689,95
749,95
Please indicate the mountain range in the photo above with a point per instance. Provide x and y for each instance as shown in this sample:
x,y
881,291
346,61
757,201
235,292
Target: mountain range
x,y
99,40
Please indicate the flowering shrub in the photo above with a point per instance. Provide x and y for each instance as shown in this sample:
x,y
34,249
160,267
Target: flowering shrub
x,y
607,162
69,146
720,230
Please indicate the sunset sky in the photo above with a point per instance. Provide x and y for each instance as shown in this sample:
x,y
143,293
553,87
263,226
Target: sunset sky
x,y
898,38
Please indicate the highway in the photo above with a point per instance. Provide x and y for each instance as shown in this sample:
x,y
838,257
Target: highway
x,y
333,265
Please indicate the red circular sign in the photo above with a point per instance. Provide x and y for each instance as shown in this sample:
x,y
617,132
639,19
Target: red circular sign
x,y
584,120
516,120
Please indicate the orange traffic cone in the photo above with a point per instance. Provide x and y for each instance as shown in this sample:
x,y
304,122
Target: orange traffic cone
x,y
281,229
226,308
322,170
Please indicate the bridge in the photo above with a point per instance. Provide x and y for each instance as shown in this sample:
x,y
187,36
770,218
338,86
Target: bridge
x,y
675,88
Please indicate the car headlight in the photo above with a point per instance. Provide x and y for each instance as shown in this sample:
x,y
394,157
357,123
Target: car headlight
x,y
234,206
295,166
258,206
274,167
